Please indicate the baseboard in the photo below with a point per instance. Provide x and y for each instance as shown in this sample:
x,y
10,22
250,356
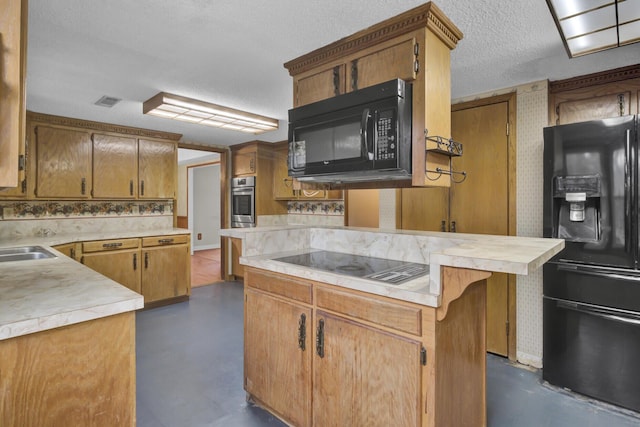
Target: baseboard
x,y
205,247
529,359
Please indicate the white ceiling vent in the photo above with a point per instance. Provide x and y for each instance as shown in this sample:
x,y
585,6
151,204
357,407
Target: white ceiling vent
x,y
107,101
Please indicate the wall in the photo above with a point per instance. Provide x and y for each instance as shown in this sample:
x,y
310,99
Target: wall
x,y
206,206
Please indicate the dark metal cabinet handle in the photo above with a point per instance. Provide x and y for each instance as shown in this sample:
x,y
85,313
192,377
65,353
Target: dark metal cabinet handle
x,y
302,332
453,226
131,188
443,225
135,262
83,186
112,245
72,252
320,338
165,241
142,188
146,260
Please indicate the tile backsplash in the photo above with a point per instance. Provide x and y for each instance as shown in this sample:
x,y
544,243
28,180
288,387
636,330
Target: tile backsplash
x,y
25,210
316,207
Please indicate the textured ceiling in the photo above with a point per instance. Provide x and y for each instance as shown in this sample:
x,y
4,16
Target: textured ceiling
x,y
231,52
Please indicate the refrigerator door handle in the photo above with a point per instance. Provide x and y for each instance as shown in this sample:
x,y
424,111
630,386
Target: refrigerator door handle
x,y
598,312
597,273
627,187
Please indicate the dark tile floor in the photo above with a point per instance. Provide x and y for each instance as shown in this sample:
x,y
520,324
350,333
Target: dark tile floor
x,y
189,374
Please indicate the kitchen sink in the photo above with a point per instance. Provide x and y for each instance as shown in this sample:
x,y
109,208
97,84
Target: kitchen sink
x,y
24,253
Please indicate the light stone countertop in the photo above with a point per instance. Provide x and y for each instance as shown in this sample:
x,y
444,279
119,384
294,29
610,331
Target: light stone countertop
x,y
504,254
42,294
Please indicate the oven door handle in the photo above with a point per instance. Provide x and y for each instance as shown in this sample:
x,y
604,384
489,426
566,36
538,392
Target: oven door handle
x,y
599,312
598,273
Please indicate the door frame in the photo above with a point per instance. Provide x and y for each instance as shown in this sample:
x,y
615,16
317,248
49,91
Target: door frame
x,y
511,100
224,193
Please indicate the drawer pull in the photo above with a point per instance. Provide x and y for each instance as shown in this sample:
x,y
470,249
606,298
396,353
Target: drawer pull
x,y
111,245
165,241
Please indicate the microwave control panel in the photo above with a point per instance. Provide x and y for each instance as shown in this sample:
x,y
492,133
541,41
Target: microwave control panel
x,y
386,135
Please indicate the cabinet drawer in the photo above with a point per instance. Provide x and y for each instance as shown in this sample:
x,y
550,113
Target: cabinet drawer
x,y
165,240
110,245
279,285
388,314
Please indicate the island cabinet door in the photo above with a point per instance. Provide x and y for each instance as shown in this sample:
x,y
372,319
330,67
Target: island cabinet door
x,y
364,376
277,356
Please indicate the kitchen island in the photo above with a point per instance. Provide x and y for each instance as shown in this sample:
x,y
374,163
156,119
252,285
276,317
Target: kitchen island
x,y
67,338
325,348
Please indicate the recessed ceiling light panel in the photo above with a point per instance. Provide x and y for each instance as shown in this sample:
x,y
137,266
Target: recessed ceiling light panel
x,y
588,26
194,111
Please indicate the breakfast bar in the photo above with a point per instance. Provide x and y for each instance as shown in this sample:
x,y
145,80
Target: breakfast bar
x,y
328,342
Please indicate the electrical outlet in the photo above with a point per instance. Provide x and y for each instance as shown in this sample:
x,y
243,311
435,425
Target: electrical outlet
x,y
199,236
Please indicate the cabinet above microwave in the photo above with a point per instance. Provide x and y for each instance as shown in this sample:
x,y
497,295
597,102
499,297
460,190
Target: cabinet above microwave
x,y
397,48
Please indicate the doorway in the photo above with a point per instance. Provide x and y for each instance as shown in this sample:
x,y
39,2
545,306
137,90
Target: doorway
x,y
199,208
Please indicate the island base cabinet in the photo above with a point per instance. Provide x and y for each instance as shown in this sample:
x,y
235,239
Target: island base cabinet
x,y
278,346
77,375
368,360
365,376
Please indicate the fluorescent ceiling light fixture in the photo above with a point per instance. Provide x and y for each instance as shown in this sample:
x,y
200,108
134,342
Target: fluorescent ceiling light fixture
x,y
589,26
189,110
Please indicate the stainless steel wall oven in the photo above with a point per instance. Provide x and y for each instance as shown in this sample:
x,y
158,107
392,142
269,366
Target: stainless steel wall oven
x,y
243,202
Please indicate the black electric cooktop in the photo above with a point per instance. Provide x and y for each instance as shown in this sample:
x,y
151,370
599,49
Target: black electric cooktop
x,y
381,269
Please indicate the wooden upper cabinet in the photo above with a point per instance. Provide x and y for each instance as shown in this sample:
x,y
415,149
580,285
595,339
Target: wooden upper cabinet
x,y
244,163
13,59
414,46
115,166
63,163
319,85
596,96
157,169
397,59
593,108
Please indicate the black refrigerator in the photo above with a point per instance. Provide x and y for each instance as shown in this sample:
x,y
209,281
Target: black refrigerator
x,y
591,302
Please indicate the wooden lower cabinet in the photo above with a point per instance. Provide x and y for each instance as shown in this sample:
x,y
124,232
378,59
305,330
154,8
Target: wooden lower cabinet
x,y
157,267
279,369
68,249
117,259
366,376
320,355
166,267
237,270
77,375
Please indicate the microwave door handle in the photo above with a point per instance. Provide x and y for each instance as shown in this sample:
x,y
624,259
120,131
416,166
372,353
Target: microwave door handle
x,y
364,133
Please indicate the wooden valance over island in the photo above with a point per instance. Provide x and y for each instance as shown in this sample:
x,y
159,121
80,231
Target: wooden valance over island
x,y
328,349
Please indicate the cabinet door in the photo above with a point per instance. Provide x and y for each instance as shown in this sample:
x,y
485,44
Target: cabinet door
x,y
425,209
122,266
277,370
244,163
480,205
69,249
594,108
322,84
63,164
165,272
350,388
13,59
115,166
396,59
237,269
157,166
282,182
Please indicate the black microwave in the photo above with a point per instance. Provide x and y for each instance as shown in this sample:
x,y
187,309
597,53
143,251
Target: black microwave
x,y
360,136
